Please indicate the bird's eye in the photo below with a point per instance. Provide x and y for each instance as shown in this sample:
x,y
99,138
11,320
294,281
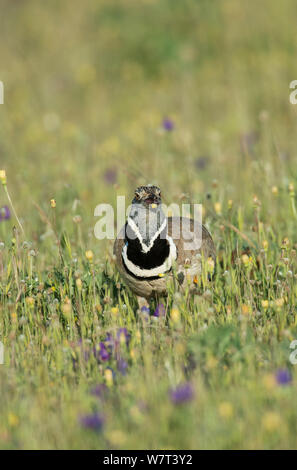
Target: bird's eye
x,y
137,196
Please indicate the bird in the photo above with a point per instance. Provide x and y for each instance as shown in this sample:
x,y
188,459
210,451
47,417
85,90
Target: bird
x,y
151,247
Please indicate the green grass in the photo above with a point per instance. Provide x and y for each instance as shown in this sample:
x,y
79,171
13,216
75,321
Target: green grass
x,y
87,86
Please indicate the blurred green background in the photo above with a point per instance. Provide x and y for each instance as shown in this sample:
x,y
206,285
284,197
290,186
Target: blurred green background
x,y
87,86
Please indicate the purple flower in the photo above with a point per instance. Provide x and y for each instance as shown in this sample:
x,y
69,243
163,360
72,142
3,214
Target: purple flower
x,y
98,390
283,377
103,354
110,176
122,366
145,310
123,333
201,163
92,421
4,213
168,125
182,393
160,311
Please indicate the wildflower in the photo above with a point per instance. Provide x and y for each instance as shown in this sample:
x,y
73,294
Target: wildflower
x,y
274,190
110,176
245,260
182,393
271,421
103,354
168,125
225,410
77,219
256,201
53,203
29,301
108,374
291,190
279,303
212,362
145,310
245,309
117,438
283,377
114,310
3,177
4,213
122,366
175,315
92,421
265,304
265,245
285,242
123,336
66,307
218,208
98,390
78,283
269,381
201,162
160,311
13,420
89,255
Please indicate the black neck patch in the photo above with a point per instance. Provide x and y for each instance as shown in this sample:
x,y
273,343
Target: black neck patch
x,y
154,258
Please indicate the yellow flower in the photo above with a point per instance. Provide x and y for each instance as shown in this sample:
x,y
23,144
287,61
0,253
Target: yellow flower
x,y
115,310
271,421
279,302
3,176
53,203
245,309
212,362
108,377
66,307
291,189
269,381
245,259
78,283
116,437
13,420
265,245
175,315
89,255
14,317
29,300
265,304
218,208
226,410
285,242
274,190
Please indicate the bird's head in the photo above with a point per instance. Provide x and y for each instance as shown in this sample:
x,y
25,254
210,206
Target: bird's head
x,y
149,196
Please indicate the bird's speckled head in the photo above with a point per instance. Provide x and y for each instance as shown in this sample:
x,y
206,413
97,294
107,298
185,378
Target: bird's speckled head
x,y
147,195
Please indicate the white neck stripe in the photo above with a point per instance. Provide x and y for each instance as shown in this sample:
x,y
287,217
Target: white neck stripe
x,y
145,248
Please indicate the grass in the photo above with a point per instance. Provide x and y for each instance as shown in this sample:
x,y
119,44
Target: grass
x,y
81,124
